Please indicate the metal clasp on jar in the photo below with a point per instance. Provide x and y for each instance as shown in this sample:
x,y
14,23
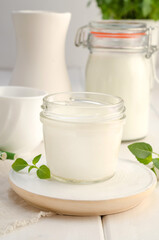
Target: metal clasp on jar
x,y
81,37
151,48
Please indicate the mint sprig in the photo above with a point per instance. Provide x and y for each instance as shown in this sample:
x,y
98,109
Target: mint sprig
x,y
43,172
144,154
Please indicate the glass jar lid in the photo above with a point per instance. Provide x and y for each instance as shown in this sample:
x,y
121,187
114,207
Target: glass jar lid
x,y
118,35
83,107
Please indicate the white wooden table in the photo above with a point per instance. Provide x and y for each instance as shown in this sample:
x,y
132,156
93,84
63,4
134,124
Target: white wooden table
x,y
139,223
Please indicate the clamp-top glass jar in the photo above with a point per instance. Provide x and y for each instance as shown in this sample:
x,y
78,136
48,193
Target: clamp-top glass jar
x,y
119,64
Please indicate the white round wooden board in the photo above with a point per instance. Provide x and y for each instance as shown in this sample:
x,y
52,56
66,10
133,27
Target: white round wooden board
x,y
126,189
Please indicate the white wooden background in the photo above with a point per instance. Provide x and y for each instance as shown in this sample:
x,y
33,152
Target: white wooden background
x,y
139,223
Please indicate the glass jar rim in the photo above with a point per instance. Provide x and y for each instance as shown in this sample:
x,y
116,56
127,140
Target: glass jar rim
x,y
117,29
83,107
118,25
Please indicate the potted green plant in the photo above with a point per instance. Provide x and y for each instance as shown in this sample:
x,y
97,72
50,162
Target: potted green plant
x,y
128,9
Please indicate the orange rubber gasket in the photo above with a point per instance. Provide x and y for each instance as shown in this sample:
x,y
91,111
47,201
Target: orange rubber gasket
x,y
117,35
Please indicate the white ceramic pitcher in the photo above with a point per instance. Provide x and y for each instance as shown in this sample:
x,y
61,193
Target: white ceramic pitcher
x,y
40,61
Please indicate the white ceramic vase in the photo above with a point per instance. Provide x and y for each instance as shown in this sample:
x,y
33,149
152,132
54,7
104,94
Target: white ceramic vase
x,y
40,61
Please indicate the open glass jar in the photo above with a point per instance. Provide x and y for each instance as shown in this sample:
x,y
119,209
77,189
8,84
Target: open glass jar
x,y
82,135
119,64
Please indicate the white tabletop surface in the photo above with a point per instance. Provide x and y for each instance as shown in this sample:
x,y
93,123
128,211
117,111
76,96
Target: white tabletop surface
x,y
139,223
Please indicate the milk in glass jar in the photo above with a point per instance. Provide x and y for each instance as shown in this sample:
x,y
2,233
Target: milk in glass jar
x,y
119,64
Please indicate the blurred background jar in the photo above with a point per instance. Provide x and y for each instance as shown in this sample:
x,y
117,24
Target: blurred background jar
x,y
120,64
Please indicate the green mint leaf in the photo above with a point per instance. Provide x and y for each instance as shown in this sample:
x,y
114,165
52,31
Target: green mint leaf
x,y
36,159
146,160
141,150
31,167
43,172
153,169
19,164
156,162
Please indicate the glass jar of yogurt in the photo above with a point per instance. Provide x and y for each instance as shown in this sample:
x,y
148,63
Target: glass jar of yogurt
x,y
82,135
119,64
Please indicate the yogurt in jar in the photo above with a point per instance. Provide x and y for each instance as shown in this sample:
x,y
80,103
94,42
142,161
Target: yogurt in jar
x,y
82,135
